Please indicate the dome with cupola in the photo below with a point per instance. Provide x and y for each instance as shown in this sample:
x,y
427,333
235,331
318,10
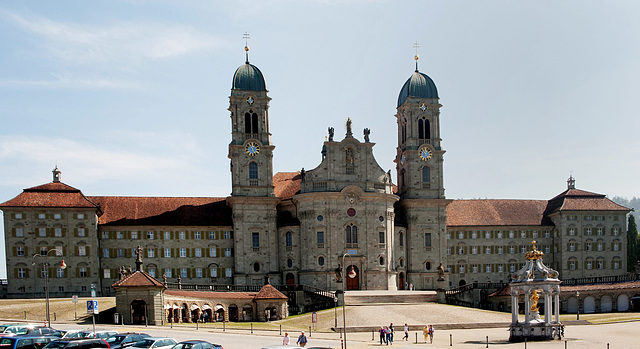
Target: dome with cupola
x,y
248,77
419,85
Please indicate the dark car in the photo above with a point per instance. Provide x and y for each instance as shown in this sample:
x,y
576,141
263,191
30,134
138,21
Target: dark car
x,y
25,342
197,344
33,330
78,343
123,340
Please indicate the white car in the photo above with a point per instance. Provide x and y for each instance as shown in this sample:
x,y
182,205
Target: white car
x,y
280,346
154,343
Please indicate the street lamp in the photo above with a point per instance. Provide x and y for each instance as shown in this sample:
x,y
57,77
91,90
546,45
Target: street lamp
x,y
578,307
352,274
45,265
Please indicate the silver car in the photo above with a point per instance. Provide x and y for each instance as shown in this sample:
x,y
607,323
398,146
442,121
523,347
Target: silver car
x,y
154,343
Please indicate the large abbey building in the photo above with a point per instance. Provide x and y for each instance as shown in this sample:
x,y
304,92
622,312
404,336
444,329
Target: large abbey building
x,y
295,227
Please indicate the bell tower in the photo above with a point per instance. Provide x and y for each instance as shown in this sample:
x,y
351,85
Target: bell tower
x,y
252,199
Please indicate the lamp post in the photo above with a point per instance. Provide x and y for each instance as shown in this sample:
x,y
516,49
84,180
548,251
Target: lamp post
x,y
352,274
578,307
45,265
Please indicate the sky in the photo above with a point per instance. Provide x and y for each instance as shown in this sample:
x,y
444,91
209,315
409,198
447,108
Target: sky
x,y
130,98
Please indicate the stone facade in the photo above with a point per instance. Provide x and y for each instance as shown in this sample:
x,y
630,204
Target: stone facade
x,y
296,227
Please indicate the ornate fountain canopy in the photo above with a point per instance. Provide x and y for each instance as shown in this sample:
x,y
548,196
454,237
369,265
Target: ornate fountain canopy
x,y
534,254
534,269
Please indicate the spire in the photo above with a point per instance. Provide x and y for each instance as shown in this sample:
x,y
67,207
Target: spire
x,y
416,45
56,175
246,46
571,182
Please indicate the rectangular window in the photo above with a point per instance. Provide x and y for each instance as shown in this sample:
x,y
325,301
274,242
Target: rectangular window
x,y
487,235
57,232
42,216
474,249
44,250
59,273
511,234
57,216
589,265
500,249
381,237
512,249
500,268
462,268
198,252
535,234
18,215
134,235
167,252
150,235
227,252
167,235
547,249
449,251
589,247
19,232
213,271
427,240
80,216
42,232
487,250
487,268
599,231
523,249
168,273
152,272
181,235
255,240
587,231
461,235
83,272
572,265
58,250
120,235
120,253
572,231
105,253
512,268
22,273
572,247
213,252
474,234
81,232
107,273
547,234
616,265
198,272
105,235
151,253
212,235
227,272
183,272
499,235
183,252
320,237
196,235
20,251
448,235
616,246
474,268
82,250
616,231
600,264
600,246
460,249
227,235
523,234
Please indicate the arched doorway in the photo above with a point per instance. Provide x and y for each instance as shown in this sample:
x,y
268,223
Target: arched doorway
x,y
572,305
233,312
184,311
401,281
207,313
589,305
462,283
272,314
623,302
219,312
138,312
353,284
606,304
291,279
195,312
247,313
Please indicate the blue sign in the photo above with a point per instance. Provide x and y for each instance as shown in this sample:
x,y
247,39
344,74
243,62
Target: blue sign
x,y
92,307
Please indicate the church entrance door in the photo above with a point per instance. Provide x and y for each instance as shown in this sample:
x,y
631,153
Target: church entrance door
x,y
353,284
401,281
138,312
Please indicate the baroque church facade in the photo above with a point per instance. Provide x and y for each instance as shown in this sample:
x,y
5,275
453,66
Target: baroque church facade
x,y
300,227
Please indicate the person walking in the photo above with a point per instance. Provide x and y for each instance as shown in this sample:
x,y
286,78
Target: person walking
x,y
431,330
425,332
387,332
383,337
392,331
406,332
302,340
286,339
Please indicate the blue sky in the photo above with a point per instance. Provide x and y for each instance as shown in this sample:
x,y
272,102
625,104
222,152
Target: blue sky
x,y
130,97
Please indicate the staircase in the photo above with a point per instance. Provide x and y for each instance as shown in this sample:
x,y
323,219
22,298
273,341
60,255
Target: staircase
x,y
389,297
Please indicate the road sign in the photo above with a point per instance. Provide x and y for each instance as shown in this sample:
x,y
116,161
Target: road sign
x,y
314,317
92,307
74,299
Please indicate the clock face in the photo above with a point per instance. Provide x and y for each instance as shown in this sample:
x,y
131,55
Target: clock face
x,y
426,154
250,100
252,148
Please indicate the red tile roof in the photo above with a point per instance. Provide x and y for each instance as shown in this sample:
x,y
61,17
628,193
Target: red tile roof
x,y
287,184
270,292
138,279
189,211
495,212
53,194
205,294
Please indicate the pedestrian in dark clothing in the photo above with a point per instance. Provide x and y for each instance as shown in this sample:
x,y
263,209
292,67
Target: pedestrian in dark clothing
x,y
383,337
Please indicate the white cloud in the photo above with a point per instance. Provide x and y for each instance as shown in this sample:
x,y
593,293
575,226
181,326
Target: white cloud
x,y
124,42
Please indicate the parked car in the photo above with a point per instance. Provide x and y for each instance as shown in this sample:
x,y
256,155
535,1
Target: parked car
x,y
281,346
154,343
77,343
90,334
123,340
26,329
197,344
25,342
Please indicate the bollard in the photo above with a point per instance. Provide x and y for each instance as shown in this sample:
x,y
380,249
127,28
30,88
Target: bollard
x,y
487,341
55,318
25,314
416,338
224,326
450,340
281,330
309,331
565,344
197,325
525,342
252,328
607,345
372,337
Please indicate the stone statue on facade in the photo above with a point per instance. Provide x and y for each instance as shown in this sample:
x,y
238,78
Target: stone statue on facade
x,y
331,130
367,132
440,272
349,132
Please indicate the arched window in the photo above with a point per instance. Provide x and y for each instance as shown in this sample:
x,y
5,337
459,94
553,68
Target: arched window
x,y
253,170
426,174
401,239
250,122
404,130
424,130
352,234
427,265
320,261
256,266
289,239
381,260
289,263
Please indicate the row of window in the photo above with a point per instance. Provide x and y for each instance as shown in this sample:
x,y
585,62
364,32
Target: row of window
x,y
169,252
590,264
80,272
511,234
213,272
51,232
512,249
80,251
589,246
79,216
167,235
589,231
590,218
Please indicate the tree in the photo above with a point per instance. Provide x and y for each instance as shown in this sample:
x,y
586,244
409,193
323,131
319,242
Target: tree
x,y
633,245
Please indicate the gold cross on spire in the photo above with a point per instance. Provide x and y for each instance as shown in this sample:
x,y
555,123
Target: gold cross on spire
x,y
416,45
245,36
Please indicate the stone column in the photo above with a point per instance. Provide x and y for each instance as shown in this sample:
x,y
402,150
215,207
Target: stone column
x,y
547,308
527,314
556,305
514,308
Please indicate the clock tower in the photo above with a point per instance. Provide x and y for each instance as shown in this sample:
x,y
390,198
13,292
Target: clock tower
x,y
252,198
419,160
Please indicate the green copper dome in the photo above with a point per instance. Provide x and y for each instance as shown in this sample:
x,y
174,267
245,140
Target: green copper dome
x,y
419,85
249,78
